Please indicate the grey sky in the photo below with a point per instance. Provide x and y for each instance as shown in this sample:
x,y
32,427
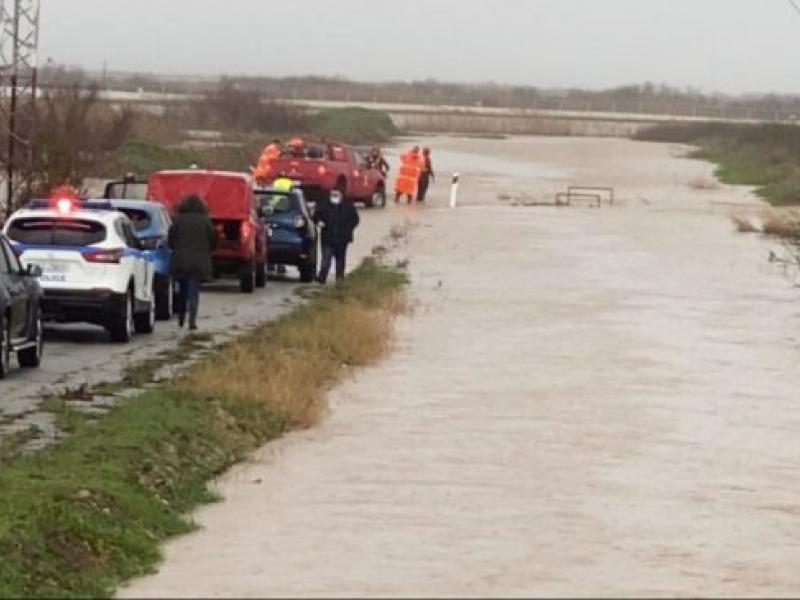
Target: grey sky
x,y
724,45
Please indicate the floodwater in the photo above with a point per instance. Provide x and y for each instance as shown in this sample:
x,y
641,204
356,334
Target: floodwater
x,y
584,402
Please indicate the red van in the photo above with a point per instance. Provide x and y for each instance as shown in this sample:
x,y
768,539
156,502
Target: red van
x,y
241,237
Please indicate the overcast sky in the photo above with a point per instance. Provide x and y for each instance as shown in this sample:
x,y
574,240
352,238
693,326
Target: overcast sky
x,y
717,45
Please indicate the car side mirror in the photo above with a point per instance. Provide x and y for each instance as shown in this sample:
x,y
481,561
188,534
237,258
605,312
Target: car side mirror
x,y
33,271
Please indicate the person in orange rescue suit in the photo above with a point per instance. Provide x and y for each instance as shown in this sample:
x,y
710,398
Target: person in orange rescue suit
x,y
407,180
270,153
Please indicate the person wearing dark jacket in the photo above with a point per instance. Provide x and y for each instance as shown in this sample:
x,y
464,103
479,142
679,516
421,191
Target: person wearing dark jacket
x,y
426,176
191,238
338,219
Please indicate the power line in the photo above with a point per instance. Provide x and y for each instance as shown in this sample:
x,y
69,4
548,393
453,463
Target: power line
x,y
795,6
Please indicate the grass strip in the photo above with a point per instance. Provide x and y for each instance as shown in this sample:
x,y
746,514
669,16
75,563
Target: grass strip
x,y
765,156
80,518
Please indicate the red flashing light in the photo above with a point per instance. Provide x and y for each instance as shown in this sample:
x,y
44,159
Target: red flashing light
x,y
63,205
105,256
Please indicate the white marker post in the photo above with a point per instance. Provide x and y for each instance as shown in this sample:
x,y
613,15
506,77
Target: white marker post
x,y
454,191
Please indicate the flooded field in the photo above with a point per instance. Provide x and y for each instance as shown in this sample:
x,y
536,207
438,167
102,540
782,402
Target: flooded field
x,y
584,402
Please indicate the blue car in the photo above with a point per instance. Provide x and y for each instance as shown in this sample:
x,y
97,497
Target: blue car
x,y
291,230
151,223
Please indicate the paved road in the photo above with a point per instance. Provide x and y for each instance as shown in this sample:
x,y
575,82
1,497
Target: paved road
x,y
585,402
78,354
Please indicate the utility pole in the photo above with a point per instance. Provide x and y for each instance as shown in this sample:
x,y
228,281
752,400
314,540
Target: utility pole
x,y
19,41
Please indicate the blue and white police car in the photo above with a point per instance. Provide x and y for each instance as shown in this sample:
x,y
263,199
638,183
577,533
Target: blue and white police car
x,y
94,268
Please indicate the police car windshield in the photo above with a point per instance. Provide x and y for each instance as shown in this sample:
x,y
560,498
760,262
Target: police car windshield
x,y
45,231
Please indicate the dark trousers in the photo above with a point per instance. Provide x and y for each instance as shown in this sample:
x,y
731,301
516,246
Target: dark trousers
x,y
188,299
422,187
332,252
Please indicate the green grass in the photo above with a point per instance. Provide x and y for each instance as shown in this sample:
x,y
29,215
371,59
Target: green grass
x,y
348,125
12,445
80,518
358,126
139,156
764,156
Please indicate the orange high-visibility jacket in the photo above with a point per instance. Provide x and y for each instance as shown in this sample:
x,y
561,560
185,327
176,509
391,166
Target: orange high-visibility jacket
x,y
270,153
408,175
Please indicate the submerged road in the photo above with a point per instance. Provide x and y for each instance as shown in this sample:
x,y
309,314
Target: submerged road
x,y
584,402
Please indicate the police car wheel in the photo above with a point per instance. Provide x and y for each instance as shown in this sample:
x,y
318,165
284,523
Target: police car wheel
x,y
5,348
121,326
145,322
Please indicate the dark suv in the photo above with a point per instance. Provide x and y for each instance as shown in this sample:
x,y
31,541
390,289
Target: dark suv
x,y
292,232
20,314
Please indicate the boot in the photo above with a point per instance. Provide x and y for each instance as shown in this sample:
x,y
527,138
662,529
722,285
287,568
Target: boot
x,y
181,319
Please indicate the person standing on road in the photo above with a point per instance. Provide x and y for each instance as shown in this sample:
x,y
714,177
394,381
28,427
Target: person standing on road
x,y
192,239
408,175
376,160
426,175
338,219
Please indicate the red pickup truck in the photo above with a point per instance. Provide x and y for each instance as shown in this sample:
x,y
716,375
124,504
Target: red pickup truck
x,y
325,167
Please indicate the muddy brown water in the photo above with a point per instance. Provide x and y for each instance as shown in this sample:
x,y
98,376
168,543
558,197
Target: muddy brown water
x,y
583,403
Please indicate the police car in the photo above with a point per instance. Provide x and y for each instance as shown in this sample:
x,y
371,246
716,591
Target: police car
x,y
93,266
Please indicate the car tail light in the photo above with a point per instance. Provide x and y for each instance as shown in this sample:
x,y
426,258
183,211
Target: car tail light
x,y
106,256
246,231
299,222
322,170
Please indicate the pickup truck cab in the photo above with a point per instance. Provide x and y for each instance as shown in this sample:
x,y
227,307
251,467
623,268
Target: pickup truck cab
x,y
241,235
326,167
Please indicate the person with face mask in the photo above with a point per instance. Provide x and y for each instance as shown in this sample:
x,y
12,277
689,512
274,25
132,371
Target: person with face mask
x,y
337,219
